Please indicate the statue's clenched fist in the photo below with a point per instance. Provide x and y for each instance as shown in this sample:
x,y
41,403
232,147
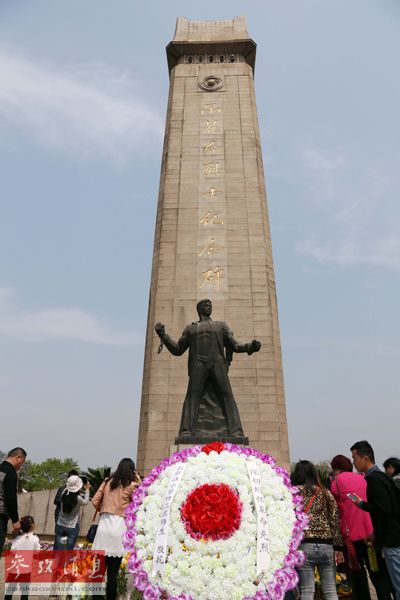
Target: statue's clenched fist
x,y
160,329
255,345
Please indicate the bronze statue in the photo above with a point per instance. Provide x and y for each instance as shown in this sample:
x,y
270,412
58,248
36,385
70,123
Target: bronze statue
x,y
209,410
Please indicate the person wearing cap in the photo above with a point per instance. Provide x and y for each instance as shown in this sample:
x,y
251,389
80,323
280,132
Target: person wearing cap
x,y
68,522
58,496
357,526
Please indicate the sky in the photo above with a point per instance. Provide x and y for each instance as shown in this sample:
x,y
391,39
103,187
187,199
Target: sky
x,y
83,93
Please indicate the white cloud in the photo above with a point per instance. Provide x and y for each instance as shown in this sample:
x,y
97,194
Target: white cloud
x,y
322,167
55,324
355,212
348,252
87,109
322,161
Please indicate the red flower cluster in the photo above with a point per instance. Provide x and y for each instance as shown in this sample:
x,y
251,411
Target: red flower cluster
x,y
212,512
216,446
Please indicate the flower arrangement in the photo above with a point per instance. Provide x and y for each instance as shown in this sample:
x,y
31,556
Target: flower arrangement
x,y
215,522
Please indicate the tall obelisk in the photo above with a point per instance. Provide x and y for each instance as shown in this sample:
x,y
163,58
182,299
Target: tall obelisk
x,y
212,237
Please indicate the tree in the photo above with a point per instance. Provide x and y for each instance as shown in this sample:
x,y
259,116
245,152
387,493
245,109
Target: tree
x,y
323,468
96,476
49,474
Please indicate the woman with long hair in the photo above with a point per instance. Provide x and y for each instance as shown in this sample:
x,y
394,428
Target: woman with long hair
x,y
111,500
68,522
322,541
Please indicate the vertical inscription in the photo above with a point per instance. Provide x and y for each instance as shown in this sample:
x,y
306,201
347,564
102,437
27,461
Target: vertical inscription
x,y
212,269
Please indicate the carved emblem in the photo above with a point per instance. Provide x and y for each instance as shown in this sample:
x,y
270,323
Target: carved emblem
x,y
211,84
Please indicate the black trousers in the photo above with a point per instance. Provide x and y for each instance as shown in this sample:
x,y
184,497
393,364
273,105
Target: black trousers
x,y
3,531
380,579
24,578
112,567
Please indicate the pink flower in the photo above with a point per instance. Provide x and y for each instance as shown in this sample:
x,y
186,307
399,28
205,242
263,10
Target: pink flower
x,y
150,593
141,581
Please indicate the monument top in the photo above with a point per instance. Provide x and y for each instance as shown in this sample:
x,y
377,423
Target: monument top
x,y
210,31
196,37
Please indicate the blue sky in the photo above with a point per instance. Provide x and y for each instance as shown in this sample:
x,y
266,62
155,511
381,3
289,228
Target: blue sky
x,y
83,92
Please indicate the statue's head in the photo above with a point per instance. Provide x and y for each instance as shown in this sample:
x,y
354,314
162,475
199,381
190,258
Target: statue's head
x,y
204,307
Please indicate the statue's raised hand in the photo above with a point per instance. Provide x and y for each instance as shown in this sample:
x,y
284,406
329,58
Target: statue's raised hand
x,y
160,329
255,345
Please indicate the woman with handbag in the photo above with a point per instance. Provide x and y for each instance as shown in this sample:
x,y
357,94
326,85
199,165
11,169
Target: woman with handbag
x,y
111,500
322,541
356,527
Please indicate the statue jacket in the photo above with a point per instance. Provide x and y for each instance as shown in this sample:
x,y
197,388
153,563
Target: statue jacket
x,y
208,341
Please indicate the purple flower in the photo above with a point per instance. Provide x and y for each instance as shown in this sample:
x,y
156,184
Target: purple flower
x,y
260,595
150,593
293,578
134,563
141,580
129,522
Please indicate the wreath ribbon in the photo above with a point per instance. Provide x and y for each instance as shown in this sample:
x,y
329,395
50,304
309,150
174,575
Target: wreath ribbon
x,y
263,547
160,546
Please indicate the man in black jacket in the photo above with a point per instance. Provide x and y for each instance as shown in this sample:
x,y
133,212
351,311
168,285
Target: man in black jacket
x,y
8,491
383,504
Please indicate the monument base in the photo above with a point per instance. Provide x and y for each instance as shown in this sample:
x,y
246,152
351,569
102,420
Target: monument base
x,y
208,439
178,447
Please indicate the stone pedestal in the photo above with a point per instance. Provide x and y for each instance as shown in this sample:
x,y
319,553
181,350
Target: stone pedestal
x,y
178,447
192,440
212,237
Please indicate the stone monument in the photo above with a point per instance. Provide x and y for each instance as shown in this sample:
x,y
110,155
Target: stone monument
x,y
212,237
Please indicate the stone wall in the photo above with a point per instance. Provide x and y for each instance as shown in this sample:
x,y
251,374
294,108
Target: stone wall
x,y
40,505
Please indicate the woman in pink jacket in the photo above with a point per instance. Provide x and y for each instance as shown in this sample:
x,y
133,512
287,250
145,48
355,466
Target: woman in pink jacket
x,y
111,500
359,525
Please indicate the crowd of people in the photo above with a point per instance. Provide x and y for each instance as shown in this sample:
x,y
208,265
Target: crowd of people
x,y
354,525
354,520
109,501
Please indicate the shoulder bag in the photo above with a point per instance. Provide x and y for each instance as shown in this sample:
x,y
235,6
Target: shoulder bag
x,y
91,534
311,501
349,549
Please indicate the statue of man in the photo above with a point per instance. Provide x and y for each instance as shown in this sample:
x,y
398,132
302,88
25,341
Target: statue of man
x,y
211,345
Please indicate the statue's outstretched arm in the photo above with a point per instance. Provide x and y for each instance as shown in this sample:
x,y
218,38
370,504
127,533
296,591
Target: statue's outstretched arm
x,y
235,346
176,348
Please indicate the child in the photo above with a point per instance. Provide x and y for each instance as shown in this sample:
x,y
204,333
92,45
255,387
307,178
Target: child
x,y
25,541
